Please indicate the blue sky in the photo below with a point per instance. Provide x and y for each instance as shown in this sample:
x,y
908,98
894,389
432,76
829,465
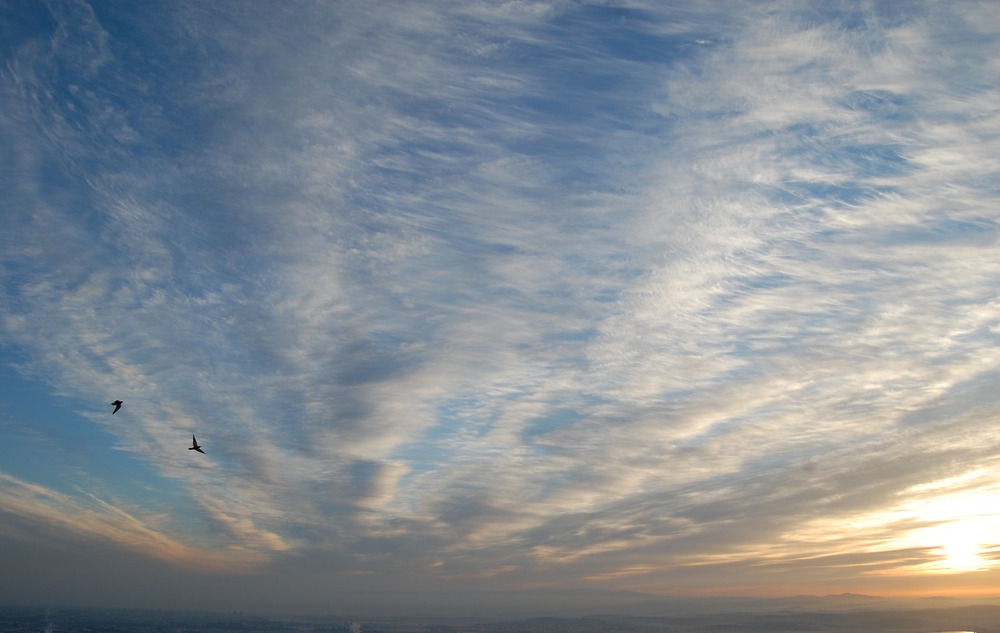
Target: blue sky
x,y
479,297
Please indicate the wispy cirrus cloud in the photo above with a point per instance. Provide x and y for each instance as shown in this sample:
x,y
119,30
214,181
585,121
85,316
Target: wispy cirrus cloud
x,y
531,288
98,519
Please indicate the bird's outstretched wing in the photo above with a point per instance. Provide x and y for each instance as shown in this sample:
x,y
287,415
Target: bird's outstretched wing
x,y
194,445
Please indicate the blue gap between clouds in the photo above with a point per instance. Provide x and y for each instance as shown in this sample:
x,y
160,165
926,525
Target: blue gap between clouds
x,y
41,430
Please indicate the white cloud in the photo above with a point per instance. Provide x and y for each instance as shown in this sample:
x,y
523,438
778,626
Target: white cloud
x,y
409,278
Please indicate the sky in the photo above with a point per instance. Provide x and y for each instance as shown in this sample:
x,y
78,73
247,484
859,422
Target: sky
x,y
472,300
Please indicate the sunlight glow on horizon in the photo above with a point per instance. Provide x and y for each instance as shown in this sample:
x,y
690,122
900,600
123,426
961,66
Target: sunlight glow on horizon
x,y
962,530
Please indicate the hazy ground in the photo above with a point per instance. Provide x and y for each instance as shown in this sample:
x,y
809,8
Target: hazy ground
x,y
978,618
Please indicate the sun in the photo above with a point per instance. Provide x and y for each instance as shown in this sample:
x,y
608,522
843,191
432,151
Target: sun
x,y
962,544
960,529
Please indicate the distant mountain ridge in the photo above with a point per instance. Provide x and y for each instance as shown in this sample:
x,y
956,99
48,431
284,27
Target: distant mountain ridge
x,y
573,603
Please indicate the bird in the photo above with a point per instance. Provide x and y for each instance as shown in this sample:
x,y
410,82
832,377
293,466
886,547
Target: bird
x,y
117,404
194,446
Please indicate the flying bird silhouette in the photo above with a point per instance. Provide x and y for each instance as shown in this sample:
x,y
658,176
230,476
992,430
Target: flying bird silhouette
x,y
117,404
194,446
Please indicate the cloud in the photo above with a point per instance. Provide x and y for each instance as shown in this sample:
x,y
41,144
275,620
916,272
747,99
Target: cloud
x,y
502,289
30,506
